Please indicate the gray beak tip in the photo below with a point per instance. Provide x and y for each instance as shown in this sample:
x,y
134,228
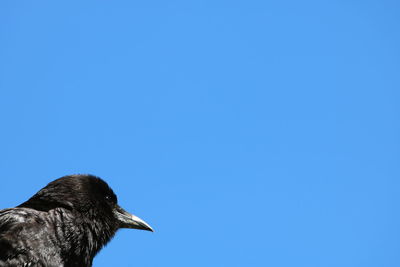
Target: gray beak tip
x,y
128,220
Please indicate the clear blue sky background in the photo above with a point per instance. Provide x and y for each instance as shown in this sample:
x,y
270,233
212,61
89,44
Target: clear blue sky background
x,y
247,133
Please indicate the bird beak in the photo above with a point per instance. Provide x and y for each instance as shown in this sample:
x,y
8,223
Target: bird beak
x,y
128,220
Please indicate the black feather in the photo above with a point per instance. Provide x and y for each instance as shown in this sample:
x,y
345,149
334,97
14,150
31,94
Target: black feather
x,y
64,224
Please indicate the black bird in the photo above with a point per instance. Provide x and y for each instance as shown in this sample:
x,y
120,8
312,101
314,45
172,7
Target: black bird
x,y
64,224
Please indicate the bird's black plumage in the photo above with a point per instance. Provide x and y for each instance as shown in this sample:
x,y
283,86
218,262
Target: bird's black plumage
x,y
64,224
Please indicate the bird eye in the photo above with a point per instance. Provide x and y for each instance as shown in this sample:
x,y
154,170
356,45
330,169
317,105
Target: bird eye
x,y
110,198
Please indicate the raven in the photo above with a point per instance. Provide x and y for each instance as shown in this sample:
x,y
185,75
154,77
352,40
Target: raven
x,y
64,224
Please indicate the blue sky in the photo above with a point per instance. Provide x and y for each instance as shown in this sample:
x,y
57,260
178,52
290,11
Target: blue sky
x,y
247,133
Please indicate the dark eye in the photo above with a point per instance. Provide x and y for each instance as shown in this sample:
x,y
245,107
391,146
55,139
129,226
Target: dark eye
x,y
110,198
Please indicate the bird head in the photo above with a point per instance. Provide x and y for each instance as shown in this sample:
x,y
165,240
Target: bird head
x,y
88,195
